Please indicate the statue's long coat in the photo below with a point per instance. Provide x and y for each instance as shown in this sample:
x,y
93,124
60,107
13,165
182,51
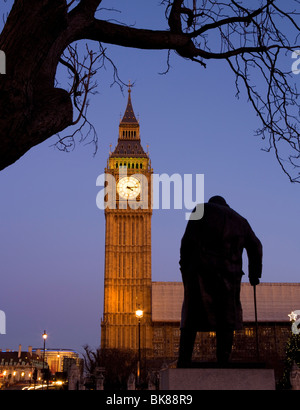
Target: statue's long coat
x,y
211,267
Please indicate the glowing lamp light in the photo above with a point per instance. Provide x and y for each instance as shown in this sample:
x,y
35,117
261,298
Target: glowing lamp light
x,y
139,313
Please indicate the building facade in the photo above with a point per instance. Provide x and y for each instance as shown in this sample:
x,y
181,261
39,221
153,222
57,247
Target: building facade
x,y
60,360
275,301
20,366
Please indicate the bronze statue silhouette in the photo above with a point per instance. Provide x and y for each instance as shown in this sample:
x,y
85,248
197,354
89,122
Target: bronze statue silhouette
x,y
211,267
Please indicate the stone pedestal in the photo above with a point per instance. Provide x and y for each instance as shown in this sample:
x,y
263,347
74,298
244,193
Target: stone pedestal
x,y
217,379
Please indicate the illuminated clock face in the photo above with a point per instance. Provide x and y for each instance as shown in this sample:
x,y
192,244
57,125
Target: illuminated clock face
x,y
128,187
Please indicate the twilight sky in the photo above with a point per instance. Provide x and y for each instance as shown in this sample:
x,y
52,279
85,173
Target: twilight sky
x,y
52,233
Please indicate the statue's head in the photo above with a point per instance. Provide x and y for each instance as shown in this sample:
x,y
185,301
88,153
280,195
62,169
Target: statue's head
x,y
219,200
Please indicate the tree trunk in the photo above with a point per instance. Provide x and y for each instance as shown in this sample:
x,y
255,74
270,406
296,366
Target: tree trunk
x,y
34,37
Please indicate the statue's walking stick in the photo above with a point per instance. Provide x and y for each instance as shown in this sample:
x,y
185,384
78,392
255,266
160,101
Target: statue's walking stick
x,y
256,323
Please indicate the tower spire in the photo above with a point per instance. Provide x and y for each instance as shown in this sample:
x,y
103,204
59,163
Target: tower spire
x,y
129,143
129,116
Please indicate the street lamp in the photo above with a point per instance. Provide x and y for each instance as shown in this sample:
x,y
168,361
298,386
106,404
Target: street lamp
x,y
139,314
58,366
44,337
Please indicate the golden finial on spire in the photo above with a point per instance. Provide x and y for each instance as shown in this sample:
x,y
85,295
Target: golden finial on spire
x,y
129,87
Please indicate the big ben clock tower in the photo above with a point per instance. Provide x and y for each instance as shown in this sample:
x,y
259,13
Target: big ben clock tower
x,y
127,276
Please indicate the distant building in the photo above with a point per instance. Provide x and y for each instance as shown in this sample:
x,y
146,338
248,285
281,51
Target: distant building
x,y
60,360
18,366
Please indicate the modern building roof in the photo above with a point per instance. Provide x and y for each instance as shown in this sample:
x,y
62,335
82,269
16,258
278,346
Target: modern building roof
x,y
274,301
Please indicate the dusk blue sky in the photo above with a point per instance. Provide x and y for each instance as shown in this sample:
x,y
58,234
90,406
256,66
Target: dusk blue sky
x,y
52,233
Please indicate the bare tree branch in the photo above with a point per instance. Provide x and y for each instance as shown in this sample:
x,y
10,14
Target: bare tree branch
x,y
254,41
81,72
